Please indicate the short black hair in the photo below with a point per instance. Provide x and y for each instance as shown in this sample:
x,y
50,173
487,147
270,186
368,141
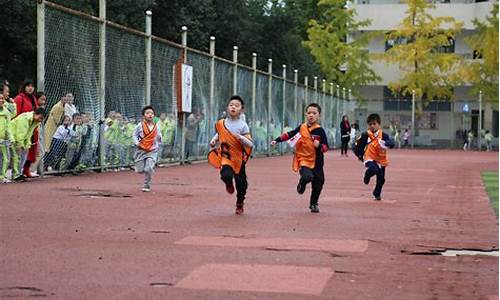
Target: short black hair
x,y
40,111
372,118
237,97
146,108
39,94
314,105
76,115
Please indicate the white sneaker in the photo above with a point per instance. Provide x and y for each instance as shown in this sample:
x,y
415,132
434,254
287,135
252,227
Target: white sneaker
x,y
34,174
146,189
5,180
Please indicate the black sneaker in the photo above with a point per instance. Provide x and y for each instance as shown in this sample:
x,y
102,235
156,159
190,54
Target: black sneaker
x,y
301,188
314,208
377,198
19,178
366,179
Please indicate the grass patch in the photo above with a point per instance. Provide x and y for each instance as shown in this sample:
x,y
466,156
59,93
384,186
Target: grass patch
x,y
491,183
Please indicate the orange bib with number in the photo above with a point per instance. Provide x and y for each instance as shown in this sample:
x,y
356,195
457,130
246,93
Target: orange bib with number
x,y
230,151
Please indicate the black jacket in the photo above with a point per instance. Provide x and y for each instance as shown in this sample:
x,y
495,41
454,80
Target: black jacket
x,y
345,129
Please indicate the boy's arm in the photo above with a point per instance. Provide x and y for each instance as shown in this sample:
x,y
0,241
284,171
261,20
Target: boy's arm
x,y
323,140
136,135
245,138
214,140
288,135
388,141
360,145
158,133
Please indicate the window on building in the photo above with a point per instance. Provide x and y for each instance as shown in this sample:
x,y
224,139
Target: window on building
x,y
389,43
476,54
433,121
388,94
450,48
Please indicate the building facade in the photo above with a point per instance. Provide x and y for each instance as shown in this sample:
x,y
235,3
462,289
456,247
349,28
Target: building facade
x,y
442,123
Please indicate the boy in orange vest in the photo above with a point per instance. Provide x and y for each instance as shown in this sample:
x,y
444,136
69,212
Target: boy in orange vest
x,y
371,148
310,143
232,146
147,138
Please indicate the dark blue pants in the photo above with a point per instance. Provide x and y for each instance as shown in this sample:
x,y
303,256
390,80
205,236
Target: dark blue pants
x,y
372,169
317,178
227,174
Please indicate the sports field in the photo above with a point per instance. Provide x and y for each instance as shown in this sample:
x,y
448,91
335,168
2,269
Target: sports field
x,y
97,236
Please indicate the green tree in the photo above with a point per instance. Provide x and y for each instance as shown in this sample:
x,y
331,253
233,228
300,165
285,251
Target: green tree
x,y
484,74
343,59
420,46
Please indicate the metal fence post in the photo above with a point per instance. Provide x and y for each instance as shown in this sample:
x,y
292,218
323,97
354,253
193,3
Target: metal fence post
x,y
296,94
332,98
315,89
323,102
184,115
306,96
283,112
40,62
102,80
269,103
254,92
148,58
211,108
235,70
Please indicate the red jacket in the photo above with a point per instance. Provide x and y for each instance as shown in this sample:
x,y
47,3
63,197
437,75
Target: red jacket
x,y
24,103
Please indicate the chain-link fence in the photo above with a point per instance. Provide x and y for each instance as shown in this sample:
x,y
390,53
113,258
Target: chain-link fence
x,y
85,130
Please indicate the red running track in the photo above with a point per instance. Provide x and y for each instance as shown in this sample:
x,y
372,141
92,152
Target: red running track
x,y
64,238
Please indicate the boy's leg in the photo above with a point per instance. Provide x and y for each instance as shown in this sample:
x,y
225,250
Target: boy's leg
x,y
241,186
317,186
380,183
226,175
372,169
149,165
306,176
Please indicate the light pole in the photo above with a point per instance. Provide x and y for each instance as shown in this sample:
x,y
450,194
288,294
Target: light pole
x,y
412,118
480,120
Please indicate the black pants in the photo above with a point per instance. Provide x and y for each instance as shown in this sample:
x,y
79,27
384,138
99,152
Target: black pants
x,y
372,169
56,152
189,148
317,178
227,174
345,143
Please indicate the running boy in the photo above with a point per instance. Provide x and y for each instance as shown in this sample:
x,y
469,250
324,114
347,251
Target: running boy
x,y
311,143
147,137
371,149
232,145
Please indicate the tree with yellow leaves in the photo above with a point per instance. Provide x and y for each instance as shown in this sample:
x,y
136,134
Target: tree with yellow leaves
x,y
483,74
343,60
418,44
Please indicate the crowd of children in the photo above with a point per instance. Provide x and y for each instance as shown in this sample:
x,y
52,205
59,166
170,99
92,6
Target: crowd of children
x,y
118,134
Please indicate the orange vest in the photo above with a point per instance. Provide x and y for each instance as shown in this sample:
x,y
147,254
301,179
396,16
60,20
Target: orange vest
x,y
230,151
374,151
305,152
146,143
